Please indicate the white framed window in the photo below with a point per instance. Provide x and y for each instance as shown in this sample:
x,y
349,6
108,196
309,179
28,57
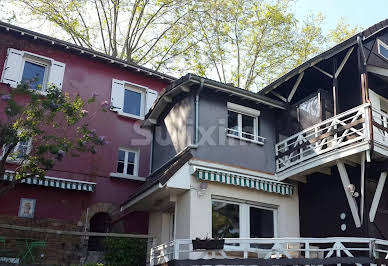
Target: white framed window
x,y
19,153
234,219
38,71
127,165
382,48
130,99
244,123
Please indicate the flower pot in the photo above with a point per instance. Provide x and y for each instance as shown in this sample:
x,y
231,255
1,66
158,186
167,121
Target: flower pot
x,y
208,244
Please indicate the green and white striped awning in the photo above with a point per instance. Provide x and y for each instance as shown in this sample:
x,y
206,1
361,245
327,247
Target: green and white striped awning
x,y
245,181
61,183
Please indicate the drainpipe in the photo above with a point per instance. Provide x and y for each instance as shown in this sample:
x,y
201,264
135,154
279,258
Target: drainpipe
x,y
196,131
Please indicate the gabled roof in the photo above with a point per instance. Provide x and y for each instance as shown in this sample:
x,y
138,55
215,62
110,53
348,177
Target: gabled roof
x,y
186,81
327,54
83,51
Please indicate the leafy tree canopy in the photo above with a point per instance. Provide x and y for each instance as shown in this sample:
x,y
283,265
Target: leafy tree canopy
x,y
246,42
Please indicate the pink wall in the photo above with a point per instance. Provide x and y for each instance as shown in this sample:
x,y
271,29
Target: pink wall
x,y
83,75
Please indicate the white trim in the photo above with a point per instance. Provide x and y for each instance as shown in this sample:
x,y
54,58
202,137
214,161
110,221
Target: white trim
x,y
130,115
129,177
198,164
351,200
323,71
362,189
296,85
141,196
380,42
41,61
343,62
377,196
246,139
244,214
136,162
243,109
142,90
377,70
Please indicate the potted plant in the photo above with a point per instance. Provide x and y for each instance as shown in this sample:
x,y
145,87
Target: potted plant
x,y
208,244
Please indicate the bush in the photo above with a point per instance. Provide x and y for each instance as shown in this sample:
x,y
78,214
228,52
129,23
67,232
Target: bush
x,y
125,251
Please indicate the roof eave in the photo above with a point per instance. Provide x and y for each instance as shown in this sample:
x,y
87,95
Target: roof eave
x,y
85,51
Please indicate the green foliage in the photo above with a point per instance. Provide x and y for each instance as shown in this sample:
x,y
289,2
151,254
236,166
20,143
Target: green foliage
x,y
246,42
125,251
54,124
342,32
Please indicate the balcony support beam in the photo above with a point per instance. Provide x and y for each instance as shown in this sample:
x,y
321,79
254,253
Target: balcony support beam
x,y
296,85
377,196
351,200
362,190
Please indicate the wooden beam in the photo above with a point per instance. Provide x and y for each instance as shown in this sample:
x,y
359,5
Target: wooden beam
x,y
351,200
362,190
335,88
323,71
377,196
279,96
296,85
343,62
167,99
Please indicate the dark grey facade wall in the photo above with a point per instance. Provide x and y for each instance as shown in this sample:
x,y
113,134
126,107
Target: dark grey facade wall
x,y
223,149
173,132
374,58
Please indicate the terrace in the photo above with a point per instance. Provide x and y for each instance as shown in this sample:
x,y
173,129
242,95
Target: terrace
x,y
286,251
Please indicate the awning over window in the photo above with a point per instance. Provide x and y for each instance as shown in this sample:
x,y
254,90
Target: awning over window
x,y
245,181
62,183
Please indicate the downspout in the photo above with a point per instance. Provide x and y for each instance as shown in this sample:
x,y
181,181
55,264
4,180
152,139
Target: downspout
x,y
196,114
364,86
152,149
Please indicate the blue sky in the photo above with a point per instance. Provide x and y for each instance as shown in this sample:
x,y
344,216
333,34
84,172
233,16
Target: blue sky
x,y
364,13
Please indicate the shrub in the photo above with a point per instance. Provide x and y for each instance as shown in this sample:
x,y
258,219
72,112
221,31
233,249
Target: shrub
x,y
125,251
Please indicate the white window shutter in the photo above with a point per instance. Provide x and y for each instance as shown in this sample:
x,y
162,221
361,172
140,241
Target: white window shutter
x,y
151,97
57,71
117,95
12,67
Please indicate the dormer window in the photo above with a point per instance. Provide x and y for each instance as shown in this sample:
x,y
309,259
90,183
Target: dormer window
x,y
382,49
244,123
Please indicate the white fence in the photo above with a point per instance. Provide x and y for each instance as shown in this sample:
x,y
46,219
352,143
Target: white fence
x,y
347,128
273,248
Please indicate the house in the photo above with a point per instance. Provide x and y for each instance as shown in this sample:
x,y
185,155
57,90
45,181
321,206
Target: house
x,y
296,171
80,193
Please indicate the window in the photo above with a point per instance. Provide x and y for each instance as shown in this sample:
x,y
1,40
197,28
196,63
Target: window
x,y
127,162
38,71
131,100
243,123
225,220
382,48
242,220
35,74
20,152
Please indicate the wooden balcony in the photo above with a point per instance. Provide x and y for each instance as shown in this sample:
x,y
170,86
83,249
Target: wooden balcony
x,y
264,251
338,137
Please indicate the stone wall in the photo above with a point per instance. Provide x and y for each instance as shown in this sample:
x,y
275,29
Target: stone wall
x,y
59,249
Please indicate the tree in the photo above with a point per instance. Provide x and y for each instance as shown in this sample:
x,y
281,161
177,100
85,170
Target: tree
x,y
342,32
245,42
55,125
140,31
249,43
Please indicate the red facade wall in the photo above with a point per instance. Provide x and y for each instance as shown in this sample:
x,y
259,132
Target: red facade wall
x,y
84,75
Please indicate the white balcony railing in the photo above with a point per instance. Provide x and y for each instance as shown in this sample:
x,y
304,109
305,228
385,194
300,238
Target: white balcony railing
x,y
347,128
274,248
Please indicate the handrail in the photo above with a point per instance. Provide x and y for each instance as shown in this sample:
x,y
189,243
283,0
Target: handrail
x,y
336,132
267,248
326,121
